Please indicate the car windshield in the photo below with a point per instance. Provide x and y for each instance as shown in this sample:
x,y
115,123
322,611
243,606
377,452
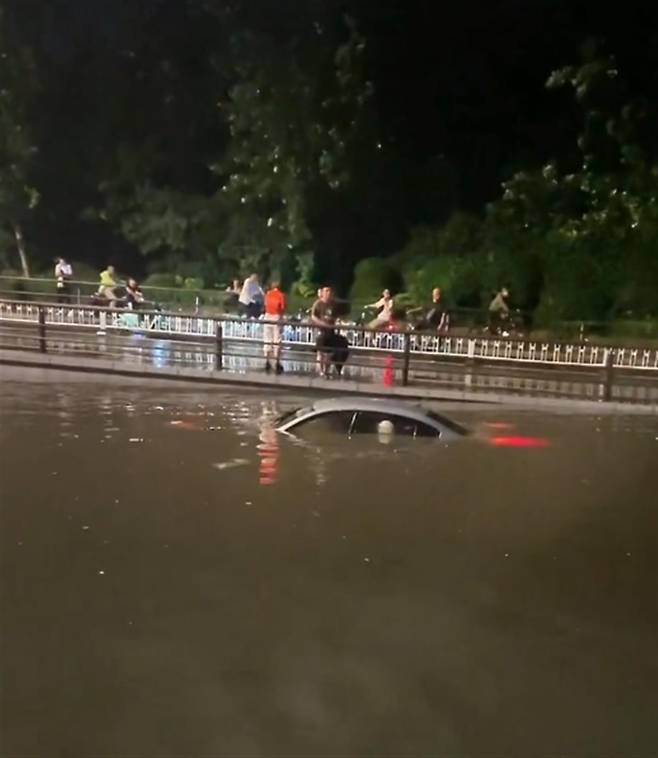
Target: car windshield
x,y
445,421
292,414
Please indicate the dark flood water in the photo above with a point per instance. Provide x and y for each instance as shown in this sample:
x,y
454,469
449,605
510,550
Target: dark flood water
x,y
179,580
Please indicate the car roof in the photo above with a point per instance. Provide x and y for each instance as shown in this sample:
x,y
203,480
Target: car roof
x,y
356,403
385,406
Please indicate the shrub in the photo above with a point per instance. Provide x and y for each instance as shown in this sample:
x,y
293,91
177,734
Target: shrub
x,y
83,272
646,328
161,280
371,276
193,283
459,279
303,289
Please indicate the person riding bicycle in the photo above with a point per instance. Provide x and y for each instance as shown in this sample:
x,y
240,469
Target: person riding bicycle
x,y
384,307
499,311
106,287
436,318
134,297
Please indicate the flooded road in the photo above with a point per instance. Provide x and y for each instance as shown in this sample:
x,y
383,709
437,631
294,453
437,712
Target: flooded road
x,y
178,579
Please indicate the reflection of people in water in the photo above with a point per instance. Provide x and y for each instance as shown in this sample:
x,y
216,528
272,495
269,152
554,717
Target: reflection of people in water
x,y
268,453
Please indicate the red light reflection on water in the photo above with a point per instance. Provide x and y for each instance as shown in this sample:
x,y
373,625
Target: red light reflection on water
x,y
268,453
519,441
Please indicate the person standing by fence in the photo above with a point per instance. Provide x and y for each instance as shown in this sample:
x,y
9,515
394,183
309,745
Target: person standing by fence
x,y
323,316
251,297
275,307
63,276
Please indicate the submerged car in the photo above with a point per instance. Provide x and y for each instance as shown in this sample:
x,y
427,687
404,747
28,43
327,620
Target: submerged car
x,y
358,415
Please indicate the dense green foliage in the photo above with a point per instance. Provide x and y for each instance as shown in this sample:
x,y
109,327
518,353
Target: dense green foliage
x,y
209,139
569,245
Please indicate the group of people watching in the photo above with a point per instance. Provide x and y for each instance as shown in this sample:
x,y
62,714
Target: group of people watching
x,y
270,305
435,318
111,291
254,302
116,294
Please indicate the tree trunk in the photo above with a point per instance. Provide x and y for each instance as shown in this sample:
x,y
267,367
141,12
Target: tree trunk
x,y
22,252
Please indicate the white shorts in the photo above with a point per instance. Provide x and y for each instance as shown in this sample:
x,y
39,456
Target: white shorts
x,y
271,333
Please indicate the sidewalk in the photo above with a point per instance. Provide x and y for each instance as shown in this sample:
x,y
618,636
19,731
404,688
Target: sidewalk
x,y
314,383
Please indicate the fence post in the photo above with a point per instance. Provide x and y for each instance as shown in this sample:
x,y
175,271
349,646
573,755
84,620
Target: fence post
x,y
405,359
219,345
609,374
470,352
42,330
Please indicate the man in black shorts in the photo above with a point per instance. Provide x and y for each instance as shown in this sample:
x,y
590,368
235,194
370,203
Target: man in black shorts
x,y
322,316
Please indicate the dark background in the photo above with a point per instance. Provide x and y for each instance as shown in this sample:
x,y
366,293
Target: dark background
x,y
459,101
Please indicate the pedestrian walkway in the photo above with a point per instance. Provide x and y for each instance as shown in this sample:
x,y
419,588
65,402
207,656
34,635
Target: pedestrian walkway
x,y
97,339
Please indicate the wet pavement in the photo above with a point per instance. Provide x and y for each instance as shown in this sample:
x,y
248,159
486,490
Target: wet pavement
x,y
379,369
178,579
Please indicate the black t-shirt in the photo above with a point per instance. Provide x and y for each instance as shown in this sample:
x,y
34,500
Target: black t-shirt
x,y
434,314
324,311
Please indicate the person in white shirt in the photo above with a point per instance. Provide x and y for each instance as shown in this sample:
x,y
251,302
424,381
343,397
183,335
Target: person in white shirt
x,y
251,298
63,275
385,310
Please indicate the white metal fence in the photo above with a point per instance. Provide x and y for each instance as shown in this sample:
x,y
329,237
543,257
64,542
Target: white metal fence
x,y
490,350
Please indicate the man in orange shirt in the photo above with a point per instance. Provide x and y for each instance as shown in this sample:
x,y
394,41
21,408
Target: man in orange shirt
x,y
275,306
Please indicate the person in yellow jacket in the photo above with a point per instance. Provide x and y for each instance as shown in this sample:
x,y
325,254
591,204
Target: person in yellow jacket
x,y
107,284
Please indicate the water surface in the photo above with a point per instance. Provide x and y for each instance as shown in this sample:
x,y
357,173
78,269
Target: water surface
x,y
177,579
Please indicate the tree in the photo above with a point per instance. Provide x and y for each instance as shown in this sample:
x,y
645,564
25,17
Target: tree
x,y
586,224
296,115
17,150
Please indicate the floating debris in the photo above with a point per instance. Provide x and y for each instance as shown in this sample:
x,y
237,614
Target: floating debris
x,y
231,464
136,439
